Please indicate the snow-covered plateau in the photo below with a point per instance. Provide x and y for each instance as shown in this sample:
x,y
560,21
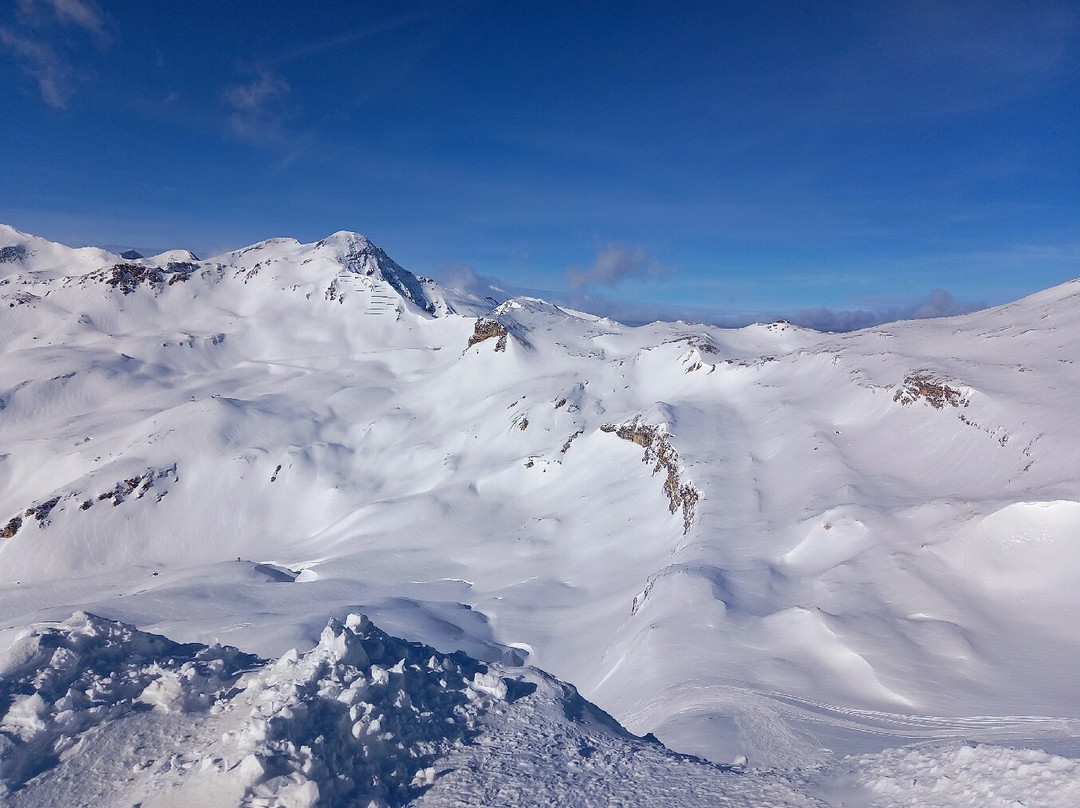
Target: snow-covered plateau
x,y
821,569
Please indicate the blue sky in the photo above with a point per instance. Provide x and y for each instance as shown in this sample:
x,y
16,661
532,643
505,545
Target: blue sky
x,y
835,162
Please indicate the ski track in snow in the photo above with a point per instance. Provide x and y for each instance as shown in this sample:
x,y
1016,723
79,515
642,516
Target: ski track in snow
x,y
764,541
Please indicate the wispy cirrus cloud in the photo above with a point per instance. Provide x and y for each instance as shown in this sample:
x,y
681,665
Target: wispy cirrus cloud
x,y
614,265
348,37
43,54
257,108
78,13
44,65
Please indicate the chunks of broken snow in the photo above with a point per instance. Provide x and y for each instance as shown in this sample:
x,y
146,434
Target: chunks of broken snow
x,y
359,719
58,682
964,775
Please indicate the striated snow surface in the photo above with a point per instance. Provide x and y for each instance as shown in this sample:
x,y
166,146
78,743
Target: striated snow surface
x,y
765,541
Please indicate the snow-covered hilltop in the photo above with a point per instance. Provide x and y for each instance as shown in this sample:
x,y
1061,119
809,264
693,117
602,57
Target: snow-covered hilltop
x,y
764,541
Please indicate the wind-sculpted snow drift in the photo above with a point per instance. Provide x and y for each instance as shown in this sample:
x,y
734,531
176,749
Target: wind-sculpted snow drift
x,y
836,543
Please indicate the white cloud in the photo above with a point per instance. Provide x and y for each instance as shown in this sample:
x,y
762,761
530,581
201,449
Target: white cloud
x,y
460,276
80,13
614,265
44,65
43,52
257,107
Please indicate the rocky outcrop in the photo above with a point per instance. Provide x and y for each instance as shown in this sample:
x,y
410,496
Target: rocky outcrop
x,y
682,496
12,253
127,277
136,486
11,528
923,385
486,329
41,510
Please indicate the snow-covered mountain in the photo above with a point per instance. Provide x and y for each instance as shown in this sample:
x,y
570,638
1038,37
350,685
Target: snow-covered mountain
x,y
766,541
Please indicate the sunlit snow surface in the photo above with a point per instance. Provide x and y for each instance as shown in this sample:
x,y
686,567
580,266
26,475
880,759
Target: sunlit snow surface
x,y
836,544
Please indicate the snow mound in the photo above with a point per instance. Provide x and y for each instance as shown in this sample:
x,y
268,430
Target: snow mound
x,y
359,719
58,682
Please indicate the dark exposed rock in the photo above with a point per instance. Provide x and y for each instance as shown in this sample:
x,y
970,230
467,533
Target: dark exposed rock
x,y
12,253
140,483
571,439
22,298
703,344
641,597
660,452
127,277
131,255
11,528
922,384
42,510
487,328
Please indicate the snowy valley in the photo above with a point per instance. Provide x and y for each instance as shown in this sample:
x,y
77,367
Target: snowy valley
x,y
848,559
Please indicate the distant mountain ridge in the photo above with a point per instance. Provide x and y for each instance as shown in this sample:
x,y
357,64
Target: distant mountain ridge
x,y
340,252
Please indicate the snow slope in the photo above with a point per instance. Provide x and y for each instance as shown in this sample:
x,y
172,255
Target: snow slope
x,y
765,541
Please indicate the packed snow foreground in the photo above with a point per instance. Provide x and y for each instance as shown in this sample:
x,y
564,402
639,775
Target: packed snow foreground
x,y
99,712
848,558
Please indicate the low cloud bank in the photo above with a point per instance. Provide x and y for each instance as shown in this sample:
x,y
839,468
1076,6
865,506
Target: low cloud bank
x,y
937,303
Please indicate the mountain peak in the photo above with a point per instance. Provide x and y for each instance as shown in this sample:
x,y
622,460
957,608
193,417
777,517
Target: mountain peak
x,y
171,256
347,238
357,254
